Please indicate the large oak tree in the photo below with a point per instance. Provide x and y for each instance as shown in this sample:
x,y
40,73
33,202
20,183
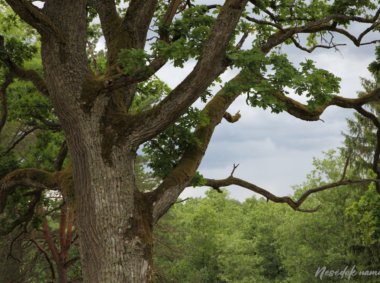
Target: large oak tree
x,y
108,109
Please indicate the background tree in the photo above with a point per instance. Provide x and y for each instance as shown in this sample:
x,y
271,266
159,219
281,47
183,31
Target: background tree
x,y
96,99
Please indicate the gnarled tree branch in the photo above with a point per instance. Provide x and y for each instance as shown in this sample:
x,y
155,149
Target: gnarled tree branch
x,y
28,178
295,204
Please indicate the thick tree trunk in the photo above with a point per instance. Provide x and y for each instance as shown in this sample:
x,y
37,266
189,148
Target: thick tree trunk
x,y
114,220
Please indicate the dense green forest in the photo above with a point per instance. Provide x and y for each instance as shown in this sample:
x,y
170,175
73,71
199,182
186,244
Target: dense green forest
x,y
198,240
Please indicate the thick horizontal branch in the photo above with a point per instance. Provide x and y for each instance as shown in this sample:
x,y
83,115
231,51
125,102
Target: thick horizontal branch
x,y
168,191
27,178
31,75
295,204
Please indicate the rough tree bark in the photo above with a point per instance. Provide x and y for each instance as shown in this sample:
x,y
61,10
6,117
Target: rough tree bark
x,y
114,227
115,219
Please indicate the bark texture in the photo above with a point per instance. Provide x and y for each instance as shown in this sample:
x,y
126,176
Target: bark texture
x,y
114,224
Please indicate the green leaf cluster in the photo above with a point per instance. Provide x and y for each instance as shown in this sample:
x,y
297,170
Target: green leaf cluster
x,y
188,34
167,148
265,75
149,93
133,60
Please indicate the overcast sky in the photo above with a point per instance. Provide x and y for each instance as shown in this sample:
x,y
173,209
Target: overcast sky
x,y
275,151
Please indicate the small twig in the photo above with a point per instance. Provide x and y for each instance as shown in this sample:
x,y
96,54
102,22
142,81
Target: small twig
x,y
182,200
10,253
239,45
311,49
71,261
21,137
233,169
264,22
345,167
